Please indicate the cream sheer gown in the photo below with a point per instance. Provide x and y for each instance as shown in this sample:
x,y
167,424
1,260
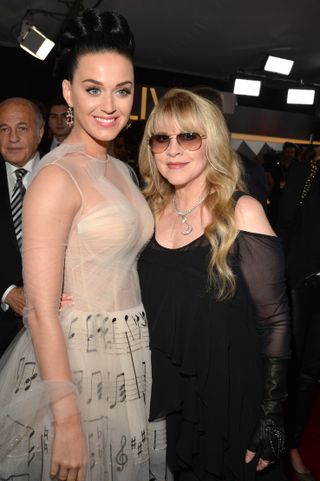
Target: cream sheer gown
x,y
105,331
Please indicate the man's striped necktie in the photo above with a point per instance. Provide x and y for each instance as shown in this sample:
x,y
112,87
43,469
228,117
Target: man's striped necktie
x,y
16,203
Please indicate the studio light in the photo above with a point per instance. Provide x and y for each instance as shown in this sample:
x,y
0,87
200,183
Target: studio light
x,y
247,87
278,65
34,42
301,96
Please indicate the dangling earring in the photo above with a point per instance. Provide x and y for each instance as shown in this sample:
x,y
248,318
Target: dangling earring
x,y
69,117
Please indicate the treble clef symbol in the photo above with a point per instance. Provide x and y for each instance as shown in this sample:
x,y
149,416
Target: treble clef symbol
x,y
121,457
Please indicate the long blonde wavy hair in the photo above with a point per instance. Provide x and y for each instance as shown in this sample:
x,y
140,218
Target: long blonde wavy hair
x,y
193,113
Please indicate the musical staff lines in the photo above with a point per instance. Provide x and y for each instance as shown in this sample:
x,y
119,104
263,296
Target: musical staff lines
x,y
112,389
110,363
96,333
120,390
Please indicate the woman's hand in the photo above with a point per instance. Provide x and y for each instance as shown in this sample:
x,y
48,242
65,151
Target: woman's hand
x,y
262,463
66,301
69,451
268,438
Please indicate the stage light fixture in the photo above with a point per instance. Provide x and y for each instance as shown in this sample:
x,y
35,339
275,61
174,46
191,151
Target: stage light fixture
x,y
301,96
34,42
247,87
278,65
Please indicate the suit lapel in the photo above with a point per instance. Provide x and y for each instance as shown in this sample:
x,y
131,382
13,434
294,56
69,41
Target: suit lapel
x,y
5,206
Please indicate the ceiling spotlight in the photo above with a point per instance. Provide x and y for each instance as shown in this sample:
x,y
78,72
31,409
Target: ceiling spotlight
x,y
301,96
34,42
278,65
247,87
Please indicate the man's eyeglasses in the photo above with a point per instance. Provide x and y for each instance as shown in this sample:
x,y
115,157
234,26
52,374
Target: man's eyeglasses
x,y
187,140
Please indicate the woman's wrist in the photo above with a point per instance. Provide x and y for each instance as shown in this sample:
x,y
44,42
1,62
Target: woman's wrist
x,y
74,419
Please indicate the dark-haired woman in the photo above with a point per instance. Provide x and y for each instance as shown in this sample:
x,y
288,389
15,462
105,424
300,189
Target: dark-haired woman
x,y
75,385
213,286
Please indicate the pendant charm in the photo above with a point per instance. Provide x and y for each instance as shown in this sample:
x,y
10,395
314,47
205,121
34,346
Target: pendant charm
x,y
188,228
183,214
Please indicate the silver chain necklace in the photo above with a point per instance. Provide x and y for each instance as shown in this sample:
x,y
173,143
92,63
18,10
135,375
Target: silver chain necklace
x,y
184,213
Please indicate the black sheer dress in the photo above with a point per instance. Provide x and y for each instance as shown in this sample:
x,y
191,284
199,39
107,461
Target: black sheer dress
x,y
207,355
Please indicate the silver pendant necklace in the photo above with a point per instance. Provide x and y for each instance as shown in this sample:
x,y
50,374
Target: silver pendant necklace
x,y
184,213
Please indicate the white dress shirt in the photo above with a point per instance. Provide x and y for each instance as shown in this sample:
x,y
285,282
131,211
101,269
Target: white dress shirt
x,y
55,143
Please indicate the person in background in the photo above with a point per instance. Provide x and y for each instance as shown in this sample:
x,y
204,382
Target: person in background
x,y
209,93
74,390
299,229
277,170
21,130
126,146
212,282
57,125
121,148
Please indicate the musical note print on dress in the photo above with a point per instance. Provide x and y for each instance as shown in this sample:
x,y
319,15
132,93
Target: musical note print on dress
x,y
137,444
108,333
96,386
121,456
120,390
26,373
72,332
114,341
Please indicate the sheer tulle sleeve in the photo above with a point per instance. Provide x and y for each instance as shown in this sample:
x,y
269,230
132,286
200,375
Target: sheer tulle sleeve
x,y
50,206
262,265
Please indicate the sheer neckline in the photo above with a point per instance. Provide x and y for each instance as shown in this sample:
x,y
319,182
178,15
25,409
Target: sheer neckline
x,y
259,234
202,241
81,147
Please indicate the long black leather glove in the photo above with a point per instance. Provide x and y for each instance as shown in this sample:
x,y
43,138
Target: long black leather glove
x,y
268,439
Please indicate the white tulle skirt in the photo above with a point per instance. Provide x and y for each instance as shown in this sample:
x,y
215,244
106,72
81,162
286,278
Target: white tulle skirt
x,y
110,362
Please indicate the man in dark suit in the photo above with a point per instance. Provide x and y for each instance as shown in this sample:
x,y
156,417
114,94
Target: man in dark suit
x,y
21,129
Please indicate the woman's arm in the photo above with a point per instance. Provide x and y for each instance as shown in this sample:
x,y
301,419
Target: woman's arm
x,y
262,266
50,206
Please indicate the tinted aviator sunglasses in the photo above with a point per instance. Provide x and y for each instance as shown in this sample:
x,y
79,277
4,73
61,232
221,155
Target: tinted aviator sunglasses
x,y
187,140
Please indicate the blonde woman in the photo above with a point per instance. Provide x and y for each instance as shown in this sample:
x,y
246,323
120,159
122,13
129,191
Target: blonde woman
x,y
213,287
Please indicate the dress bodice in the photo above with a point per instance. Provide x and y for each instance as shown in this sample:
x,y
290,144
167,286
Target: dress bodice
x,y
110,228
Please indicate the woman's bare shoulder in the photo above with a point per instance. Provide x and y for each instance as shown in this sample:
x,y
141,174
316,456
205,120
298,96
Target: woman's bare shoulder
x,y
251,217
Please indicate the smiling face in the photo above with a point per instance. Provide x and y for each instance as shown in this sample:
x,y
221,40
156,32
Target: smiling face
x,y
181,167
101,94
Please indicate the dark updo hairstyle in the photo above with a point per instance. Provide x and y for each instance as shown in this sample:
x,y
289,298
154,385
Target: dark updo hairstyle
x,y
93,32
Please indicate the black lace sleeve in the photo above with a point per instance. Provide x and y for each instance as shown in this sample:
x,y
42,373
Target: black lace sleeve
x,y
262,265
